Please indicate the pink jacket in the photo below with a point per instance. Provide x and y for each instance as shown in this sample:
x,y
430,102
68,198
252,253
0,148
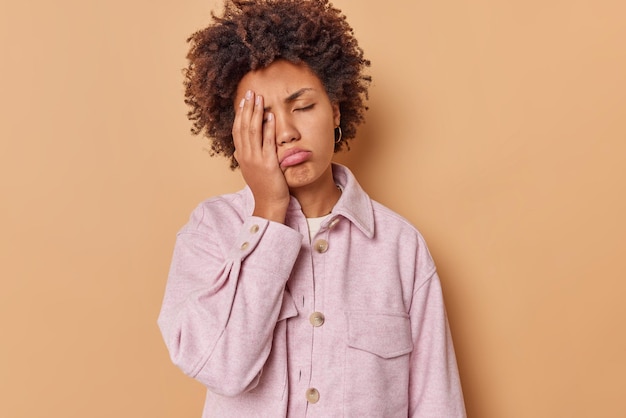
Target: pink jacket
x,y
350,325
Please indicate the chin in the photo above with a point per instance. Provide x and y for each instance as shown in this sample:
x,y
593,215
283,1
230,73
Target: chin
x,y
299,176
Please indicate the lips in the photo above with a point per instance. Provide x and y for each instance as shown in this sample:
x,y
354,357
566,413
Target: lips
x,y
294,156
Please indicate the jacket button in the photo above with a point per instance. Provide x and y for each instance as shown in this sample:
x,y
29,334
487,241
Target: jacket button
x,y
245,245
254,229
333,223
312,395
321,245
316,319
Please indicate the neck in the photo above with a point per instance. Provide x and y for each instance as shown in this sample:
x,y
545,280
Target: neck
x,y
318,199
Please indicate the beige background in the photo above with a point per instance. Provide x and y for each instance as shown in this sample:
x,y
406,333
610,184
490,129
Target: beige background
x,y
497,127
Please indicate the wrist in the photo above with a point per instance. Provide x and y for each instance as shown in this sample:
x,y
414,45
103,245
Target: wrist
x,y
273,212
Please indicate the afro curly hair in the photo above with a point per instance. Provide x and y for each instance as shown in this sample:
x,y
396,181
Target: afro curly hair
x,y
253,34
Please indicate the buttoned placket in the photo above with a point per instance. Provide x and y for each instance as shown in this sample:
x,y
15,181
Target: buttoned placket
x,y
305,286
320,251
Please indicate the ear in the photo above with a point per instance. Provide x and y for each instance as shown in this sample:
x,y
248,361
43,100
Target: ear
x,y
336,113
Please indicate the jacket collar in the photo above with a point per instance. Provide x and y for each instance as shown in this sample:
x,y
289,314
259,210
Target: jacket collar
x,y
354,204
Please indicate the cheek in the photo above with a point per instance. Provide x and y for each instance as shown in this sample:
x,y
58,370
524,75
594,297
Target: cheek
x,y
326,135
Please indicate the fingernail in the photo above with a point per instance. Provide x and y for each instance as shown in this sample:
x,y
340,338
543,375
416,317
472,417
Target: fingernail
x,y
249,95
257,100
270,116
241,103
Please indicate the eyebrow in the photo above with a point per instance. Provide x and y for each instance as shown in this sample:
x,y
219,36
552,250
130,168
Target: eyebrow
x,y
292,97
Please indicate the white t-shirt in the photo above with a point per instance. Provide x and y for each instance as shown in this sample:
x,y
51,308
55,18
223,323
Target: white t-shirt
x,y
314,225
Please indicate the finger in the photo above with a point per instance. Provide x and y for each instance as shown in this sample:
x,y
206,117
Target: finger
x,y
269,136
256,125
245,124
236,131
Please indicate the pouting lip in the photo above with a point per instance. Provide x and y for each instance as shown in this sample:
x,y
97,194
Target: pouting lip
x,y
290,151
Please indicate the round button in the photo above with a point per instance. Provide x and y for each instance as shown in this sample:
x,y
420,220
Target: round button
x,y
333,223
321,246
316,319
254,229
245,245
312,395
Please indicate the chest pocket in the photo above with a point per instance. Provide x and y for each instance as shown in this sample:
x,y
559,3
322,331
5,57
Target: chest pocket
x,y
383,334
377,364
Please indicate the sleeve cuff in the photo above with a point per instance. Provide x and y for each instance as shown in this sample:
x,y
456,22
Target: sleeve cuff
x,y
269,245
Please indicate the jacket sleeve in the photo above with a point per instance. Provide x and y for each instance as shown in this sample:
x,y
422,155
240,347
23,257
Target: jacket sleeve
x,y
221,305
434,386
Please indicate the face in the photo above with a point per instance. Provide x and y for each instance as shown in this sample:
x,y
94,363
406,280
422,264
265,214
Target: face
x,y
305,120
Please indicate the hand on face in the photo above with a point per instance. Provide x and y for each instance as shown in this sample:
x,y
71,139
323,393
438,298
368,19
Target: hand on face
x,y
255,151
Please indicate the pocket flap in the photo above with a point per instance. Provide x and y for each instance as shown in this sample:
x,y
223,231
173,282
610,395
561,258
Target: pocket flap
x,y
288,308
387,335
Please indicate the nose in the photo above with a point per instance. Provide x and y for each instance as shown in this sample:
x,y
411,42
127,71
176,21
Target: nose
x,y
286,131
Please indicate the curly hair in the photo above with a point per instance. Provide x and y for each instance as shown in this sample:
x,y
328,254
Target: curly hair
x,y
251,35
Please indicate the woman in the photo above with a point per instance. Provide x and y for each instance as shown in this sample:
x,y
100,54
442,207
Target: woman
x,y
299,295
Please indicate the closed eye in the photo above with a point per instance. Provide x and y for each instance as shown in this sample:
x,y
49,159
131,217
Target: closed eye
x,y
305,108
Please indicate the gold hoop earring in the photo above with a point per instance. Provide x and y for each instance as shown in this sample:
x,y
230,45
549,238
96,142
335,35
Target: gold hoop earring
x,y
338,139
